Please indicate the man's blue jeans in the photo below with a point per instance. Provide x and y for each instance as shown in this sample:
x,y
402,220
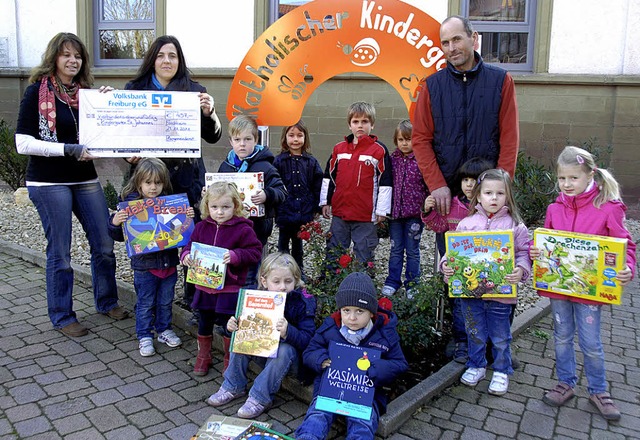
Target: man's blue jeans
x,y
486,320
155,300
405,234
316,425
567,318
55,204
268,382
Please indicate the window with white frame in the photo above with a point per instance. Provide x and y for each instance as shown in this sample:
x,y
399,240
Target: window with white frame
x,y
124,30
506,29
278,8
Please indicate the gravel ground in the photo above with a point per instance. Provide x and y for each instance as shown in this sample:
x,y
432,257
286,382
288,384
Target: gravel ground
x,y
21,225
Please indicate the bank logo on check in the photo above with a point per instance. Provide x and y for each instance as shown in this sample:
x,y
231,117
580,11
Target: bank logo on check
x,y
160,100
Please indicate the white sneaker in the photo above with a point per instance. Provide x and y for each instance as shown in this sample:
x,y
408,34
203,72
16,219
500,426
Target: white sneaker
x,y
170,338
472,376
499,384
388,290
146,347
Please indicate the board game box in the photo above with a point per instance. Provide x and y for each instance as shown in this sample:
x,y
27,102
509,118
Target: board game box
x,y
155,224
481,260
579,265
248,185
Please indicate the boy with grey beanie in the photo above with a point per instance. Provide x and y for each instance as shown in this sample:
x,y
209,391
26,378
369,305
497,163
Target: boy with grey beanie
x,y
359,321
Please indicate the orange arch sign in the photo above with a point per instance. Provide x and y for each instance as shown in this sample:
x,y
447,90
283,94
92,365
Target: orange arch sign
x,y
318,40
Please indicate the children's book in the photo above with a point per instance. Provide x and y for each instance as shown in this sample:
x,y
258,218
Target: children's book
x,y
345,387
248,185
208,269
156,224
221,427
258,311
579,265
257,432
480,260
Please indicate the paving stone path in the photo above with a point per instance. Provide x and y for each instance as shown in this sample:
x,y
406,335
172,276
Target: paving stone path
x,y
99,387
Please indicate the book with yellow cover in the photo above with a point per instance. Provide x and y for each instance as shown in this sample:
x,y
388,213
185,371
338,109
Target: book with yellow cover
x,y
579,265
257,312
480,260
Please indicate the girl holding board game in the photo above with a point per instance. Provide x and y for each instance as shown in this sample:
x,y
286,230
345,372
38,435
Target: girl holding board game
x,y
589,202
154,274
492,207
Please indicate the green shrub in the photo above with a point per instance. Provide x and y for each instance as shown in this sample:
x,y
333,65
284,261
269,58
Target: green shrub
x,y
13,166
111,195
534,188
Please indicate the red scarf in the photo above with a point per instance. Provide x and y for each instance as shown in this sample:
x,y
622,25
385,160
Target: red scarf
x,y
50,88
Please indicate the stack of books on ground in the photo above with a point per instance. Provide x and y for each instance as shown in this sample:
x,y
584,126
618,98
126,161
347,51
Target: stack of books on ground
x,y
208,269
257,432
258,312
156,224
221,427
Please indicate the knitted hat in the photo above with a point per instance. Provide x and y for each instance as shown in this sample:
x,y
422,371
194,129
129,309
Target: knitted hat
x,y
357,290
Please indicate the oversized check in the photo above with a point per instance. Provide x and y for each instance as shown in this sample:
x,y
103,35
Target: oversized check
x,y
126,123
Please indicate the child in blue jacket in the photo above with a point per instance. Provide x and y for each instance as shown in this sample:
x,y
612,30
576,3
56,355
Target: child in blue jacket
x,y
278,273
302,176
155,273
360,322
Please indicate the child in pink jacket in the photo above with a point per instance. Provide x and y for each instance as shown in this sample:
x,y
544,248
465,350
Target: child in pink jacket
x,y
492,208
589,202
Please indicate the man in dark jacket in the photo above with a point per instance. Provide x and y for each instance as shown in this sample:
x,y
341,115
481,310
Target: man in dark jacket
x,y
464,111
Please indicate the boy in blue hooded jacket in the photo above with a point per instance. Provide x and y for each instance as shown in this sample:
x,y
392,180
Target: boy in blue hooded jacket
x,y
360,322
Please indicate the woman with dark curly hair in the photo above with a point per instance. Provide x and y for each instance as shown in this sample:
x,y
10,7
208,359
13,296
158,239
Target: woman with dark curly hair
x,y
61,180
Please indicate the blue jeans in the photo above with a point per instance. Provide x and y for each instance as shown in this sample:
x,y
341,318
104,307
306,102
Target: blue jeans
x,y
405,234
55,204
488,320
316,425
567,318
155,300
267,384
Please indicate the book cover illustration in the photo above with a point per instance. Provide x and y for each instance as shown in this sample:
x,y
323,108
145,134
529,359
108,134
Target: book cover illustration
x,y
480,260
257,432
345,388
221,427
248,185
208,269
257,312
156,224
579,265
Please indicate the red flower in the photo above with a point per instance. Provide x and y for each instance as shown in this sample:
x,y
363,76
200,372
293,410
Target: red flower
x,y
338,270
385,303
304,235
344,261
370,264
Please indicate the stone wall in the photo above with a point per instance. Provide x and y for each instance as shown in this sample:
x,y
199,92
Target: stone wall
x,y
555,110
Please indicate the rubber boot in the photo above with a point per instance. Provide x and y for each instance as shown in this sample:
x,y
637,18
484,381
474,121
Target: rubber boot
x,y
227,342
203,361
